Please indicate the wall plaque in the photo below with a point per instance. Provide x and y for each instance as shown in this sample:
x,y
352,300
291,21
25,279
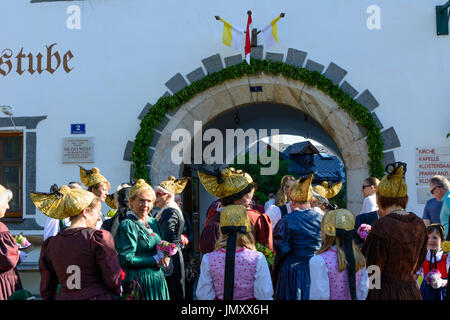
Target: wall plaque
x,y
78,150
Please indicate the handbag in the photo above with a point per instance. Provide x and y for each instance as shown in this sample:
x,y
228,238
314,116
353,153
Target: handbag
x,y
132,290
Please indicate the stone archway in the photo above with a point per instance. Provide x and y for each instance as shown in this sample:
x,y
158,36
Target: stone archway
x,y
312,101
207,105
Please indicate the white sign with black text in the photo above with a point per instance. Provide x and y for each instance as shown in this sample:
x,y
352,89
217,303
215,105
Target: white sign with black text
x,y
430,161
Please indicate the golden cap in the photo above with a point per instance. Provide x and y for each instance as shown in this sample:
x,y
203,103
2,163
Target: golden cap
x,y
140,186
301,190
174,185
393,184
326,191
235,215
64,203
340,218
92,177
231,181
110,201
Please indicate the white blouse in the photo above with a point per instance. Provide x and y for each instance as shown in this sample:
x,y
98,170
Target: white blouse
x,y
274,213
320,283
369,204
262,287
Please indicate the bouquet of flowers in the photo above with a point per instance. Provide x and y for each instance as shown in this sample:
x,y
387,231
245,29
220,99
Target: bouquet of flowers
x,y
21,241
166,248
269,254
433,277
363,230
184,241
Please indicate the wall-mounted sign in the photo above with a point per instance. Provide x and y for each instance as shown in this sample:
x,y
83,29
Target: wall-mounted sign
x,y
78,150
430,161
78,128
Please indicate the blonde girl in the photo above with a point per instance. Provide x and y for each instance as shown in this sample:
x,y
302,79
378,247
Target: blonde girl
x,y
235,270
338,270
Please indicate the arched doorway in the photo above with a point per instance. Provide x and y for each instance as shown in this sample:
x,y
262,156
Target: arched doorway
x,y
276,119
306,89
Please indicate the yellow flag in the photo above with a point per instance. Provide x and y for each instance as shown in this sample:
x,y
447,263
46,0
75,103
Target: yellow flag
x,y
270,33
232,36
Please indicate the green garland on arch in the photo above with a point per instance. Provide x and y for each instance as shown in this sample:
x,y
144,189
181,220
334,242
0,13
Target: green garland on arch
x,y
313,78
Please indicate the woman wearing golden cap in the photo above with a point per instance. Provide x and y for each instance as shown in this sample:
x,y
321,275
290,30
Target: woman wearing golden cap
x,y
232,187
96,183
235,270
172,223
397,242
136,240
9,252
81,259
296,238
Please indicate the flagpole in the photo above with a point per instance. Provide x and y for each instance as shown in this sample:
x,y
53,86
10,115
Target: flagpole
x,y
248,48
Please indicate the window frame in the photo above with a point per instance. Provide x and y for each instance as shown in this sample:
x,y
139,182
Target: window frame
x,y
14,215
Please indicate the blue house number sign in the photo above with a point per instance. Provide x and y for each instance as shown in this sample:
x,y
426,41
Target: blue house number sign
x,y
78,128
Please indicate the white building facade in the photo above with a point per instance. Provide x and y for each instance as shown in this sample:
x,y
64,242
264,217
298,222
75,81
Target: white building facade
x,y
102,65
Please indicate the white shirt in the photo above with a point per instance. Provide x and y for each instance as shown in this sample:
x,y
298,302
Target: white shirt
x,y
370,204
262,287
320,282
268,204
274,213
52,227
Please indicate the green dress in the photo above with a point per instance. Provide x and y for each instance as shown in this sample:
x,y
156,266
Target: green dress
x,y
136,246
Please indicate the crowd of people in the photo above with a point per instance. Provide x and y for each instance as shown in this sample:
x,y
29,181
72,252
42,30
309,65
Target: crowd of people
x,y
298,246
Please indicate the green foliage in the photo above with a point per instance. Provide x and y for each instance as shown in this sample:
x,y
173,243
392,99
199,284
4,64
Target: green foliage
x,y
269,254
312,78
266,183
262,197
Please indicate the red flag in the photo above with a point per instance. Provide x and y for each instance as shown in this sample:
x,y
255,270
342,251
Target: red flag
x,y
248,48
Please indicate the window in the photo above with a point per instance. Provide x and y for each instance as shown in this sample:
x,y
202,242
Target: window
x,y
11,171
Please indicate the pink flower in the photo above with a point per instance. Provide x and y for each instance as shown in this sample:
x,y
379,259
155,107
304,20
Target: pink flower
x,y
168,249
363,230
432,274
